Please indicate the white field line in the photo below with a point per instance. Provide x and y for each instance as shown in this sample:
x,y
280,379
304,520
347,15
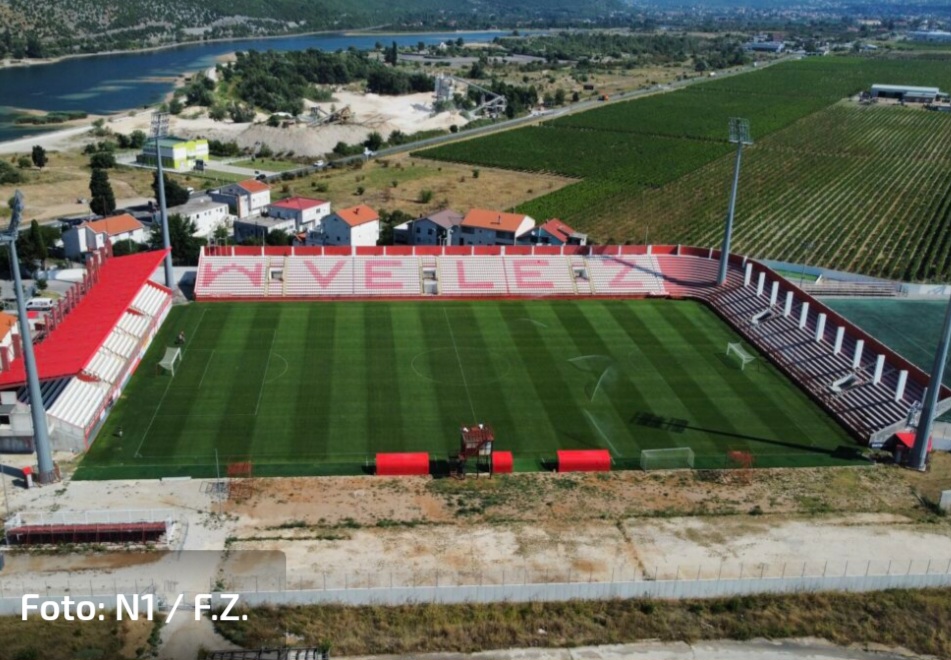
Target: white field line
x,y
267,364
207,364
168,386
459,360
602,434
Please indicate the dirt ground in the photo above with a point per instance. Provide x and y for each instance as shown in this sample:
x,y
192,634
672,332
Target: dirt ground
x,y
365,531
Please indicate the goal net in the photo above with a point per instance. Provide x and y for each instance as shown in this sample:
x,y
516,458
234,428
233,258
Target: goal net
x,y
736,349
674,458
173,357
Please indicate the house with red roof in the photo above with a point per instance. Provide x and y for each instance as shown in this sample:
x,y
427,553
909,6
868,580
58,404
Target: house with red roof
x,y
91,236
487,227
556,232
304,211
357,225
244,199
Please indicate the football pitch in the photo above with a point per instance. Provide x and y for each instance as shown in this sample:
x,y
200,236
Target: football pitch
x,y
320,388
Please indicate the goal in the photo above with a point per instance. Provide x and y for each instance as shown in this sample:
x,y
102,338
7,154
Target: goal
x,y
737,349
173,358
674,458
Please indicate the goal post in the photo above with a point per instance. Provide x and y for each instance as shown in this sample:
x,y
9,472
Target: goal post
x,y
674,458
744,356
173,358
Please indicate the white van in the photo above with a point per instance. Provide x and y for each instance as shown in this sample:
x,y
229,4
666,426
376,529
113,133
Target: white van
x,y
41,304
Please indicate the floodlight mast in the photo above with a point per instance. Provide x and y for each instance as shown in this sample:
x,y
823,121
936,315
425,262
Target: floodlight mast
x,y
159,130
740,136
919,452
46,469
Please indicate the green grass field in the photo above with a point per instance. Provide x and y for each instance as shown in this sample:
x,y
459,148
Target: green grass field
x,y
320,388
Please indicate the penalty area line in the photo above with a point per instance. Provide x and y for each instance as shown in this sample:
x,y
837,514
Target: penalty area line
x,y
602,433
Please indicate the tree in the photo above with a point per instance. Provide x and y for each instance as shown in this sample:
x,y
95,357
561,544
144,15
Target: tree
x,y
175,193
103,200
125,247
102,160
181,233
392,55
39,156
175,106
137,139
38,243
374,141
278,237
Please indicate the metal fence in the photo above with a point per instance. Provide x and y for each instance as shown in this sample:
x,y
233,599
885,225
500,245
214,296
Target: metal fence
x,y
670,581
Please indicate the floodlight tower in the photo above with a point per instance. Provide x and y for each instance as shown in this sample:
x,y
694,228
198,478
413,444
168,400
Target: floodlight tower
x,y
46,470
159,130
919,452
740,136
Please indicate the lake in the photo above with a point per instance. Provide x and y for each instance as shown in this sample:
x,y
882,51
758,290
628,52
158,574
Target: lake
x,y
105,84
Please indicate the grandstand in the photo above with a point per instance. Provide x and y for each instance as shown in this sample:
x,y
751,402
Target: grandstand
x,y
861,382
98,341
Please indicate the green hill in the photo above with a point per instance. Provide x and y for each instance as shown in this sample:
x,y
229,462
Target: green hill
x,y
37,28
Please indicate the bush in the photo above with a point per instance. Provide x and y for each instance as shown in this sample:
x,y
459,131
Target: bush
x,y
475,174
24,162
360,190
425,196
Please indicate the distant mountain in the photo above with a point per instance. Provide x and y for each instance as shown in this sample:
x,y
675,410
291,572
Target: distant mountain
x,y
34,28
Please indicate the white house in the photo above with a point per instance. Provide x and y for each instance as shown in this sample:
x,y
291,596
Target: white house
x,y
304,211
555,232
486,227
91,236
357,225
245,198
431,230
207,215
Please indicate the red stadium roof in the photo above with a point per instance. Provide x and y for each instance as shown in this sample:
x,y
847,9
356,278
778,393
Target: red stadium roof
x,y
75,341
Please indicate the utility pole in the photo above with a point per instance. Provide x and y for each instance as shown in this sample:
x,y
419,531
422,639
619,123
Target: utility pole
x,y
45,468
919,452
740,136
159,130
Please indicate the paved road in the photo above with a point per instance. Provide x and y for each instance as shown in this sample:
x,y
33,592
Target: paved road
x,y
757,649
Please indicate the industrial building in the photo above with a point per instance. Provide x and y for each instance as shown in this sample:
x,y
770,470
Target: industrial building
x,y
907,93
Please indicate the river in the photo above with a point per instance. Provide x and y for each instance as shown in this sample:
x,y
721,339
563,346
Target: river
x,y
114,82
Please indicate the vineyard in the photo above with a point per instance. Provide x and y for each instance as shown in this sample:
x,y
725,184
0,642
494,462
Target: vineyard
x,y
828,182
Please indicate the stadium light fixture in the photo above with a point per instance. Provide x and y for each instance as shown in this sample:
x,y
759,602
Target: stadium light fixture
x,y
740,136
919,451
46,469
160,130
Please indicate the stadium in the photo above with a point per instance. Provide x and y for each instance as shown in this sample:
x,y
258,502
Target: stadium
x,y
438,360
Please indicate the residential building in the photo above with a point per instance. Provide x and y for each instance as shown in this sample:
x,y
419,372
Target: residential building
x,y
304,211
91,236
487,227
245,198
176,153
433,229
765,46
260,227
357,225
207,215
555,232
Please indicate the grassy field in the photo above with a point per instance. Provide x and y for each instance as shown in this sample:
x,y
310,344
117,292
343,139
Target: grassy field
x,y
860,184
320,388
916,620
